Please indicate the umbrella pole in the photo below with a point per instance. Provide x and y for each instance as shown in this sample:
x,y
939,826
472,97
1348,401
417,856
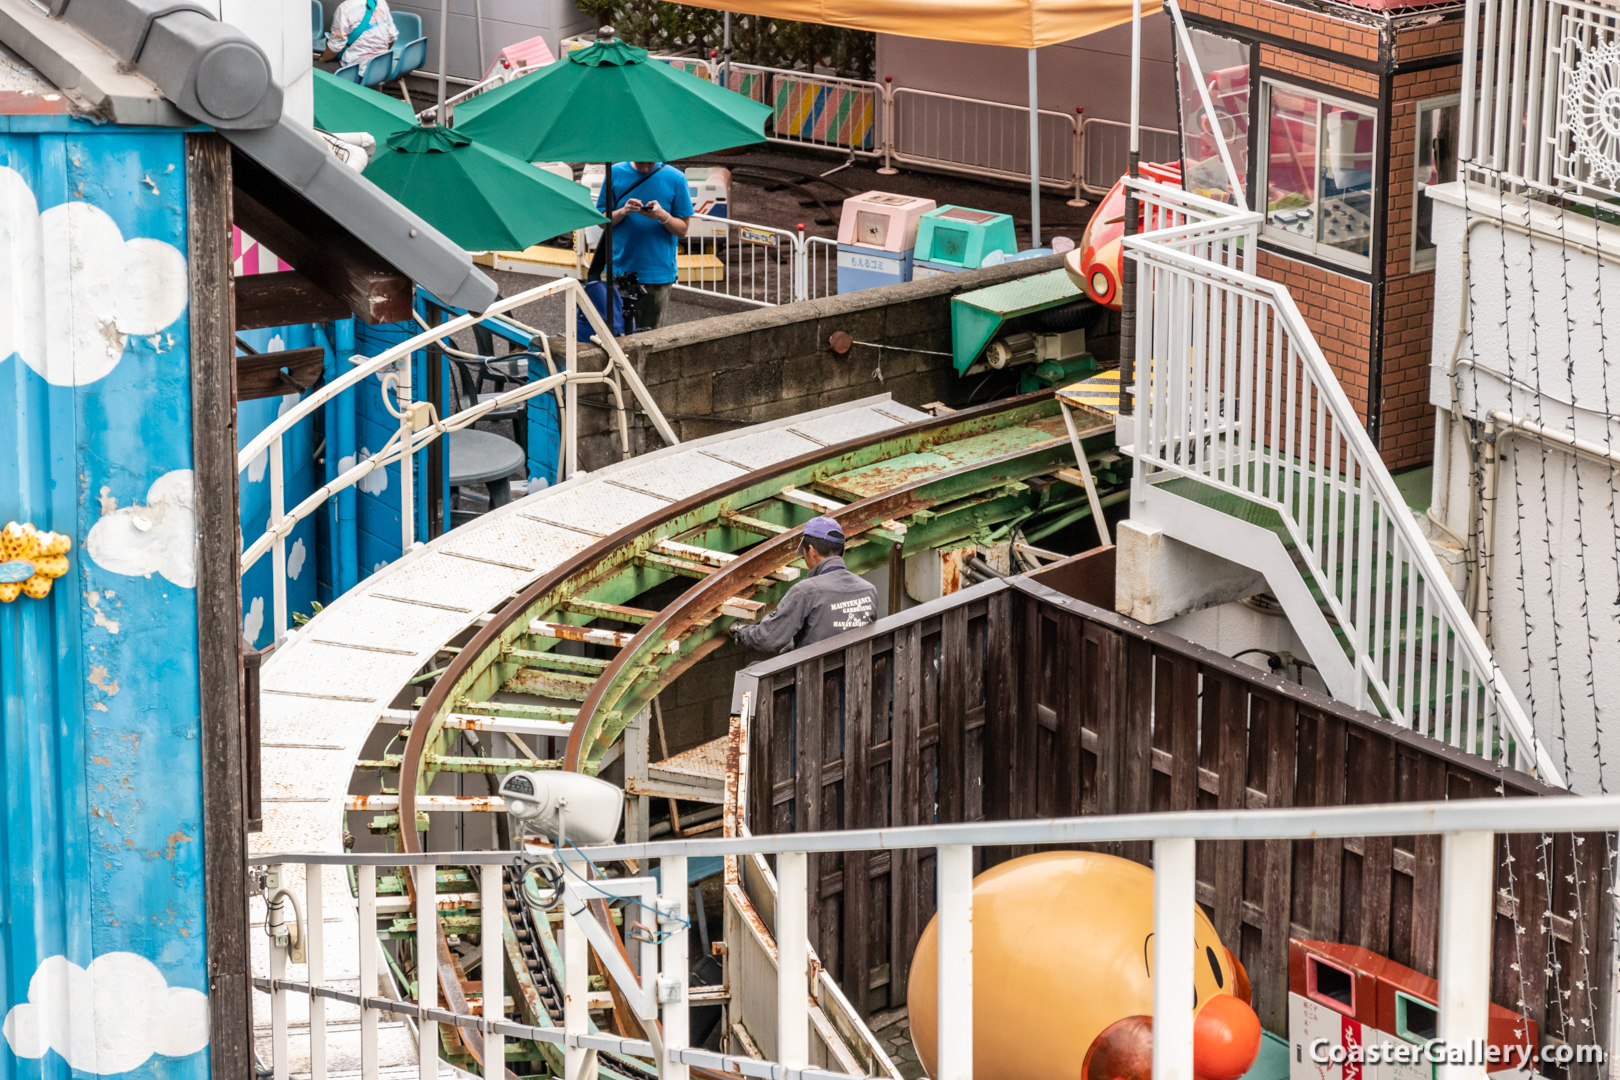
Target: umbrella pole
x,y
1034,154
607,237
444,38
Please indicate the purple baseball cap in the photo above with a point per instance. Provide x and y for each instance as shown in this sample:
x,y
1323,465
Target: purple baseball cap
x,y
824,528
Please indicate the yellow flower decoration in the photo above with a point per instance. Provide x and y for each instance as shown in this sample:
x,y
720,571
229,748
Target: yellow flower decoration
x,y
30,561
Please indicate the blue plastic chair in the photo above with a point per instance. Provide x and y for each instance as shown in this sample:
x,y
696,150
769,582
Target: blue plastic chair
x,y
408,57
317,24
377,70
349,71
409,26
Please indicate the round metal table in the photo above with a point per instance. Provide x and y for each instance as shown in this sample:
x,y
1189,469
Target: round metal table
x,y
482,457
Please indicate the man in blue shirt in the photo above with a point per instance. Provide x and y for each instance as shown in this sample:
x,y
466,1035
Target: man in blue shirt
x,y
652,209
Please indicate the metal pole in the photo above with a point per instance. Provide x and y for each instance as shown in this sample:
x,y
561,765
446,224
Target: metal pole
x,y
953,870
492,967
315,957
367,904
444,38
478,17
570,419
725,50
674,966
1034,153
1467,861
427,969
1174,900
578,1062
792,961
1127,268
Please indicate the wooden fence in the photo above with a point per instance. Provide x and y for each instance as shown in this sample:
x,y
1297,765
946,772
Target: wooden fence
x,y
1010,700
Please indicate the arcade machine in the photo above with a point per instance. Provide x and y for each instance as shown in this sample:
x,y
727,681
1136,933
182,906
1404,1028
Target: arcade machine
x,y
877,236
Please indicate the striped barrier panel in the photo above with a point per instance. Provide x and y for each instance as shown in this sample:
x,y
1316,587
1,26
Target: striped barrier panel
x,y
690,64
750,84
809,110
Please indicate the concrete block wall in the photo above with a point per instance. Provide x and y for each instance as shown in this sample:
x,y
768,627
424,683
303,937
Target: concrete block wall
x,y
719,373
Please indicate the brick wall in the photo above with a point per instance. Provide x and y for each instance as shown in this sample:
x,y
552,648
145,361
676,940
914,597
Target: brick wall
x,y
1431,34
716,374
1354,34
1338,310
1406,437
1286,65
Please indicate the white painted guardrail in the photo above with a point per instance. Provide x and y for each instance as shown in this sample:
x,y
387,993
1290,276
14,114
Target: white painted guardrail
x,y
1468,829
419,426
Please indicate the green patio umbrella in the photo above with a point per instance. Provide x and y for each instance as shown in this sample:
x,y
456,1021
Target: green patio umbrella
x,y
609,103
481,198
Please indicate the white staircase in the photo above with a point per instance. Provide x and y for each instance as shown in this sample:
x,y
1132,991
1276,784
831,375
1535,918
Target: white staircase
x,y
1246,446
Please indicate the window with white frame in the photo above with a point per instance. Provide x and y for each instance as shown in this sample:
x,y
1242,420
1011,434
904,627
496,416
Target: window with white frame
x,y
1434,161
1317,173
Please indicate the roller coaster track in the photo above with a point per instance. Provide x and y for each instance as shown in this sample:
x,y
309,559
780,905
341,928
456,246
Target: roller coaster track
x,y
584,648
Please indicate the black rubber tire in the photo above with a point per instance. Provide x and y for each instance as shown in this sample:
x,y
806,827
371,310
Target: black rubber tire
x,y
1056,320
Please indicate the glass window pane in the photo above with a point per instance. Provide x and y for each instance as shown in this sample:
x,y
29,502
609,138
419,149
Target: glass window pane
x,y
1435,162
1344,217
1225,67
1291,188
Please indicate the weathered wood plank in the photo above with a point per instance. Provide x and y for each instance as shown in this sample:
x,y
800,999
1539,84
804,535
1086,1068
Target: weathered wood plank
x,y
952,713
858,936
1370,778
218,594
1275,721
1226,711
282,299
1001,716
904,888
1136,753
309,240
276,374
807,695
1068,679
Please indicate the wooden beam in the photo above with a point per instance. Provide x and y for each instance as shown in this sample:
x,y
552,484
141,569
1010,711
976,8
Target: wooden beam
x,y
314,244
282,300
276,373
219,607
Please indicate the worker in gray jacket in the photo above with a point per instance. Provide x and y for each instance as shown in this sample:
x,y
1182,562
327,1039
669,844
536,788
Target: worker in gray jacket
x,y
829,601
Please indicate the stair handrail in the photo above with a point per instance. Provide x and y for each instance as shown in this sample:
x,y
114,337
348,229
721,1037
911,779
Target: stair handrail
x,y
1160,248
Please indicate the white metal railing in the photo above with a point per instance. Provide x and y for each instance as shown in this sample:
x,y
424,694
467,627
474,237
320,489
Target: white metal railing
x,y
1105,151
419,425
1545,115
659,992
818,268
1232,391
754,264
983,138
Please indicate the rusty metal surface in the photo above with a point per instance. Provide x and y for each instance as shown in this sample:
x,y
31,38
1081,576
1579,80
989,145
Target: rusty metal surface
x,y
401,617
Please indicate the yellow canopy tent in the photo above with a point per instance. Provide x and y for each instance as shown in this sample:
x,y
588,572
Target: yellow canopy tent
x,y
1018,24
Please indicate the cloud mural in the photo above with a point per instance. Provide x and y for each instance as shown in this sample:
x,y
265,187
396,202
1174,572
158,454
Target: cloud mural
x,y
107,1018
159,537
72,289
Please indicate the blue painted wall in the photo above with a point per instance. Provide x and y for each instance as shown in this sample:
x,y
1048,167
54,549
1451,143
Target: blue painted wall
x,y
298,465
102,940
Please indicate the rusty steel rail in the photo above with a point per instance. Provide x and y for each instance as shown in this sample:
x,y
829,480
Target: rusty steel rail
x,y
927,486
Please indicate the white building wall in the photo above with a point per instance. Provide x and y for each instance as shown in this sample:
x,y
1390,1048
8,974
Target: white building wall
x,y
1542,314
506,22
